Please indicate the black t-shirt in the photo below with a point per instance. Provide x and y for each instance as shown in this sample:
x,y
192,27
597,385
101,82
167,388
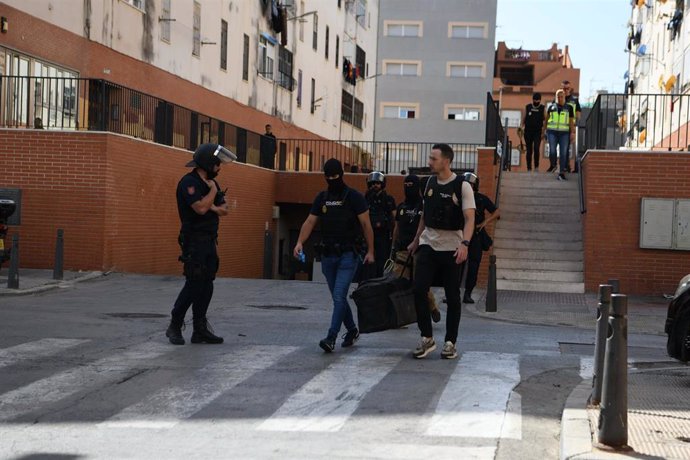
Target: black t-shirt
x,y
381,206
356,200
573,100
534,117
191,189
483,203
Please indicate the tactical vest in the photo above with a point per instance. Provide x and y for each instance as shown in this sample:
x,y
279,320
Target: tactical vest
x,y
379,214
408,217
339,223
559,120
440,211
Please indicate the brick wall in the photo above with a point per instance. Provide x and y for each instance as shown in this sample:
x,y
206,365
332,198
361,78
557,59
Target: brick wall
x,y
488,174
615,183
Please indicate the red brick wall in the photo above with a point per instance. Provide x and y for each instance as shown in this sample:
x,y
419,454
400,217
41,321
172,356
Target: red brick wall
x,y
615,183
488,174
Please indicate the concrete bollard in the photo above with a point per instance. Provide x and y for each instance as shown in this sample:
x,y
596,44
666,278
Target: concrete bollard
x,y
58,272
615,286
13,275
491,301
613,415
600,344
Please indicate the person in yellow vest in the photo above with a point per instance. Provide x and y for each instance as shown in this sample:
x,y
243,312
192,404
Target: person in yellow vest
x,y
560,130
572,101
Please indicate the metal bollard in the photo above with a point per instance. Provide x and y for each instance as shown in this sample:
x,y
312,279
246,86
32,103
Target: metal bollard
x,y
58,272
13,275
615,286
613,415
600,344
491,301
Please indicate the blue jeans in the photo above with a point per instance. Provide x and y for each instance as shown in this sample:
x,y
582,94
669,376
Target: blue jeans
x,y
339,271
562,139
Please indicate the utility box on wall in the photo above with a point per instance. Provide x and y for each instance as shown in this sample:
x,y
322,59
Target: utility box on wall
x,y
665,223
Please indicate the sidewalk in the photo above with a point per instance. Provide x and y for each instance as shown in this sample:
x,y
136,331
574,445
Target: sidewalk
x,y
32,281
658,392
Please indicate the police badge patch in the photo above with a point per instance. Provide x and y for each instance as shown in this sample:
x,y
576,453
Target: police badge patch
x,y
430,192
191,190
324,209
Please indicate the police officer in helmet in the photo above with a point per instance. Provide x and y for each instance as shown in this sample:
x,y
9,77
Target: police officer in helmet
x,y
341,211
382,216
200,203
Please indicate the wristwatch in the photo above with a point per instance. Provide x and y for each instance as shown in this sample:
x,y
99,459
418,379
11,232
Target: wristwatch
x,y
465,242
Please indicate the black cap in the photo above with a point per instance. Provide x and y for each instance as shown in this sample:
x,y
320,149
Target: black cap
x,y
332,168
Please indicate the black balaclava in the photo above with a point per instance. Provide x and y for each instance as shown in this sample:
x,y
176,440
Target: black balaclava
x,y
331,168
412,193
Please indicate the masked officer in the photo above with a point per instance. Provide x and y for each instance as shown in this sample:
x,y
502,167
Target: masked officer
x,y
200,203
481,241
342,211
407,218
382,216
441,245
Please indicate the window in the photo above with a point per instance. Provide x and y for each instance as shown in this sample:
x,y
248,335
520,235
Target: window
x,y
140,4
399,111
165,21
351,110
337,50
245,58
463,113
196,36
404,68
361,62
285,68
403,28
223,45
361,12
326,45
313,96
299,88
340,3
266,53
467,30
514,117
315,35
465,70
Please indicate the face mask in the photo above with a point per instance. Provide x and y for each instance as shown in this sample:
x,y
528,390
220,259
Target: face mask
x,y
336,185
412,194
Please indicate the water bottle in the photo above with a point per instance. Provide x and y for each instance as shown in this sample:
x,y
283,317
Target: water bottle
x,y
302,258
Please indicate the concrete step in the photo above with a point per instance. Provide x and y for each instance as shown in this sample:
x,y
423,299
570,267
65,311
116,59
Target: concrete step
x,y
527,264
541,286
540,275
540,201
525,208
538,254
551,183
512,234
561,245
542,176
507,191
573,227
539,217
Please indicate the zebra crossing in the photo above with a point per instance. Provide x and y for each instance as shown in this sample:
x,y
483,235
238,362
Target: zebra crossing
x,y
477,400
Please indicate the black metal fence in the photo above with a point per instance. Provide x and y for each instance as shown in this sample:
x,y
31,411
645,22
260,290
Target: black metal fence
x,y
494,126
639,121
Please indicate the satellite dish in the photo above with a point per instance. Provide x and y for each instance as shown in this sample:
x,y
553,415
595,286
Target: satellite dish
x,y
642,50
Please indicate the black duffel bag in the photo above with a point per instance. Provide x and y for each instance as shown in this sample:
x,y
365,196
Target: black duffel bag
x,y
384,303
678,323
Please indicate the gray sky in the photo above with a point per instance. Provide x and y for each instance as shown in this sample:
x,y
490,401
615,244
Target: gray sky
x,y
594,30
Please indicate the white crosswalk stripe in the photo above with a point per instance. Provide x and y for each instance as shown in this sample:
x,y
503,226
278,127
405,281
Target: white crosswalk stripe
x,y
327,401
474,401
179,401
71,381
36,349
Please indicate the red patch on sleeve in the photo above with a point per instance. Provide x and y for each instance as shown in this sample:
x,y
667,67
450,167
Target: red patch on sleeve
x,y
191,190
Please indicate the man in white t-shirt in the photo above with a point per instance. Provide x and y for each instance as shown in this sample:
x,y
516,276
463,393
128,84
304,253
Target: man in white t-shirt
x,y
440,247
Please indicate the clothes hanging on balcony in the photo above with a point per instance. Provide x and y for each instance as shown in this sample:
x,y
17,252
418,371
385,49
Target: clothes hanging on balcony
x,y
675,23
283,21
349,72
276,20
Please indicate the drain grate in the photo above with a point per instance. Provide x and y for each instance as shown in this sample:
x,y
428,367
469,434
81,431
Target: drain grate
x,y
278,307
137,315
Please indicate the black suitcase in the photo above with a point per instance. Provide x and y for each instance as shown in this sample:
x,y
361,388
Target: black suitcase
x,y
678,323
384,303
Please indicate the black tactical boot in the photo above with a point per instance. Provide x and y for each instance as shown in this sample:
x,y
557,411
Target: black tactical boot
x,y
174,332
203,333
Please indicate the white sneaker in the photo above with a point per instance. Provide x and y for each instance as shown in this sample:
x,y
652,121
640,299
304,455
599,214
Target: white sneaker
x,y
426,346
449,351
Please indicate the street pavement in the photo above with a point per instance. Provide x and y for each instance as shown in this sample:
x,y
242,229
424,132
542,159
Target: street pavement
x,y
86,372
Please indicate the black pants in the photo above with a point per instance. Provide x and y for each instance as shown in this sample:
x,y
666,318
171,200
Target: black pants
x,y
200,267
382,249
533,141
474,259
428,263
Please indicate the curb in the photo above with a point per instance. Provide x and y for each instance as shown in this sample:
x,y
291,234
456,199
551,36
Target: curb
x,y
5,292
576,433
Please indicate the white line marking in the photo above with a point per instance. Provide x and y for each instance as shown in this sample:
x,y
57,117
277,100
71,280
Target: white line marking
x,y
167,407
36,349
512,423
331,397
474,401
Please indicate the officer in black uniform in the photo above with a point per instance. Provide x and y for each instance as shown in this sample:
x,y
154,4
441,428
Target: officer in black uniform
x,y
573,102
382,215
342,211
200,203
533,127
481,241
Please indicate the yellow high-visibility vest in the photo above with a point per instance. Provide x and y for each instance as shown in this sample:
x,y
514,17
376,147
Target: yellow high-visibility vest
x,y
559,120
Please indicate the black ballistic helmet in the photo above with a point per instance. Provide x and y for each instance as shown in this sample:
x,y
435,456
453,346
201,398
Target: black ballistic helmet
x,y
208,156
376,176
473,179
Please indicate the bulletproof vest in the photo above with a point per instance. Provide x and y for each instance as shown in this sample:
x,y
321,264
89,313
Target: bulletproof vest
x,y
559,118
379,214
339,222
534,117
194,224
440,212
408,221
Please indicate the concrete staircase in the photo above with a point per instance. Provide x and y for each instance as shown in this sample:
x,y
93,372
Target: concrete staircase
x,y
538,240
